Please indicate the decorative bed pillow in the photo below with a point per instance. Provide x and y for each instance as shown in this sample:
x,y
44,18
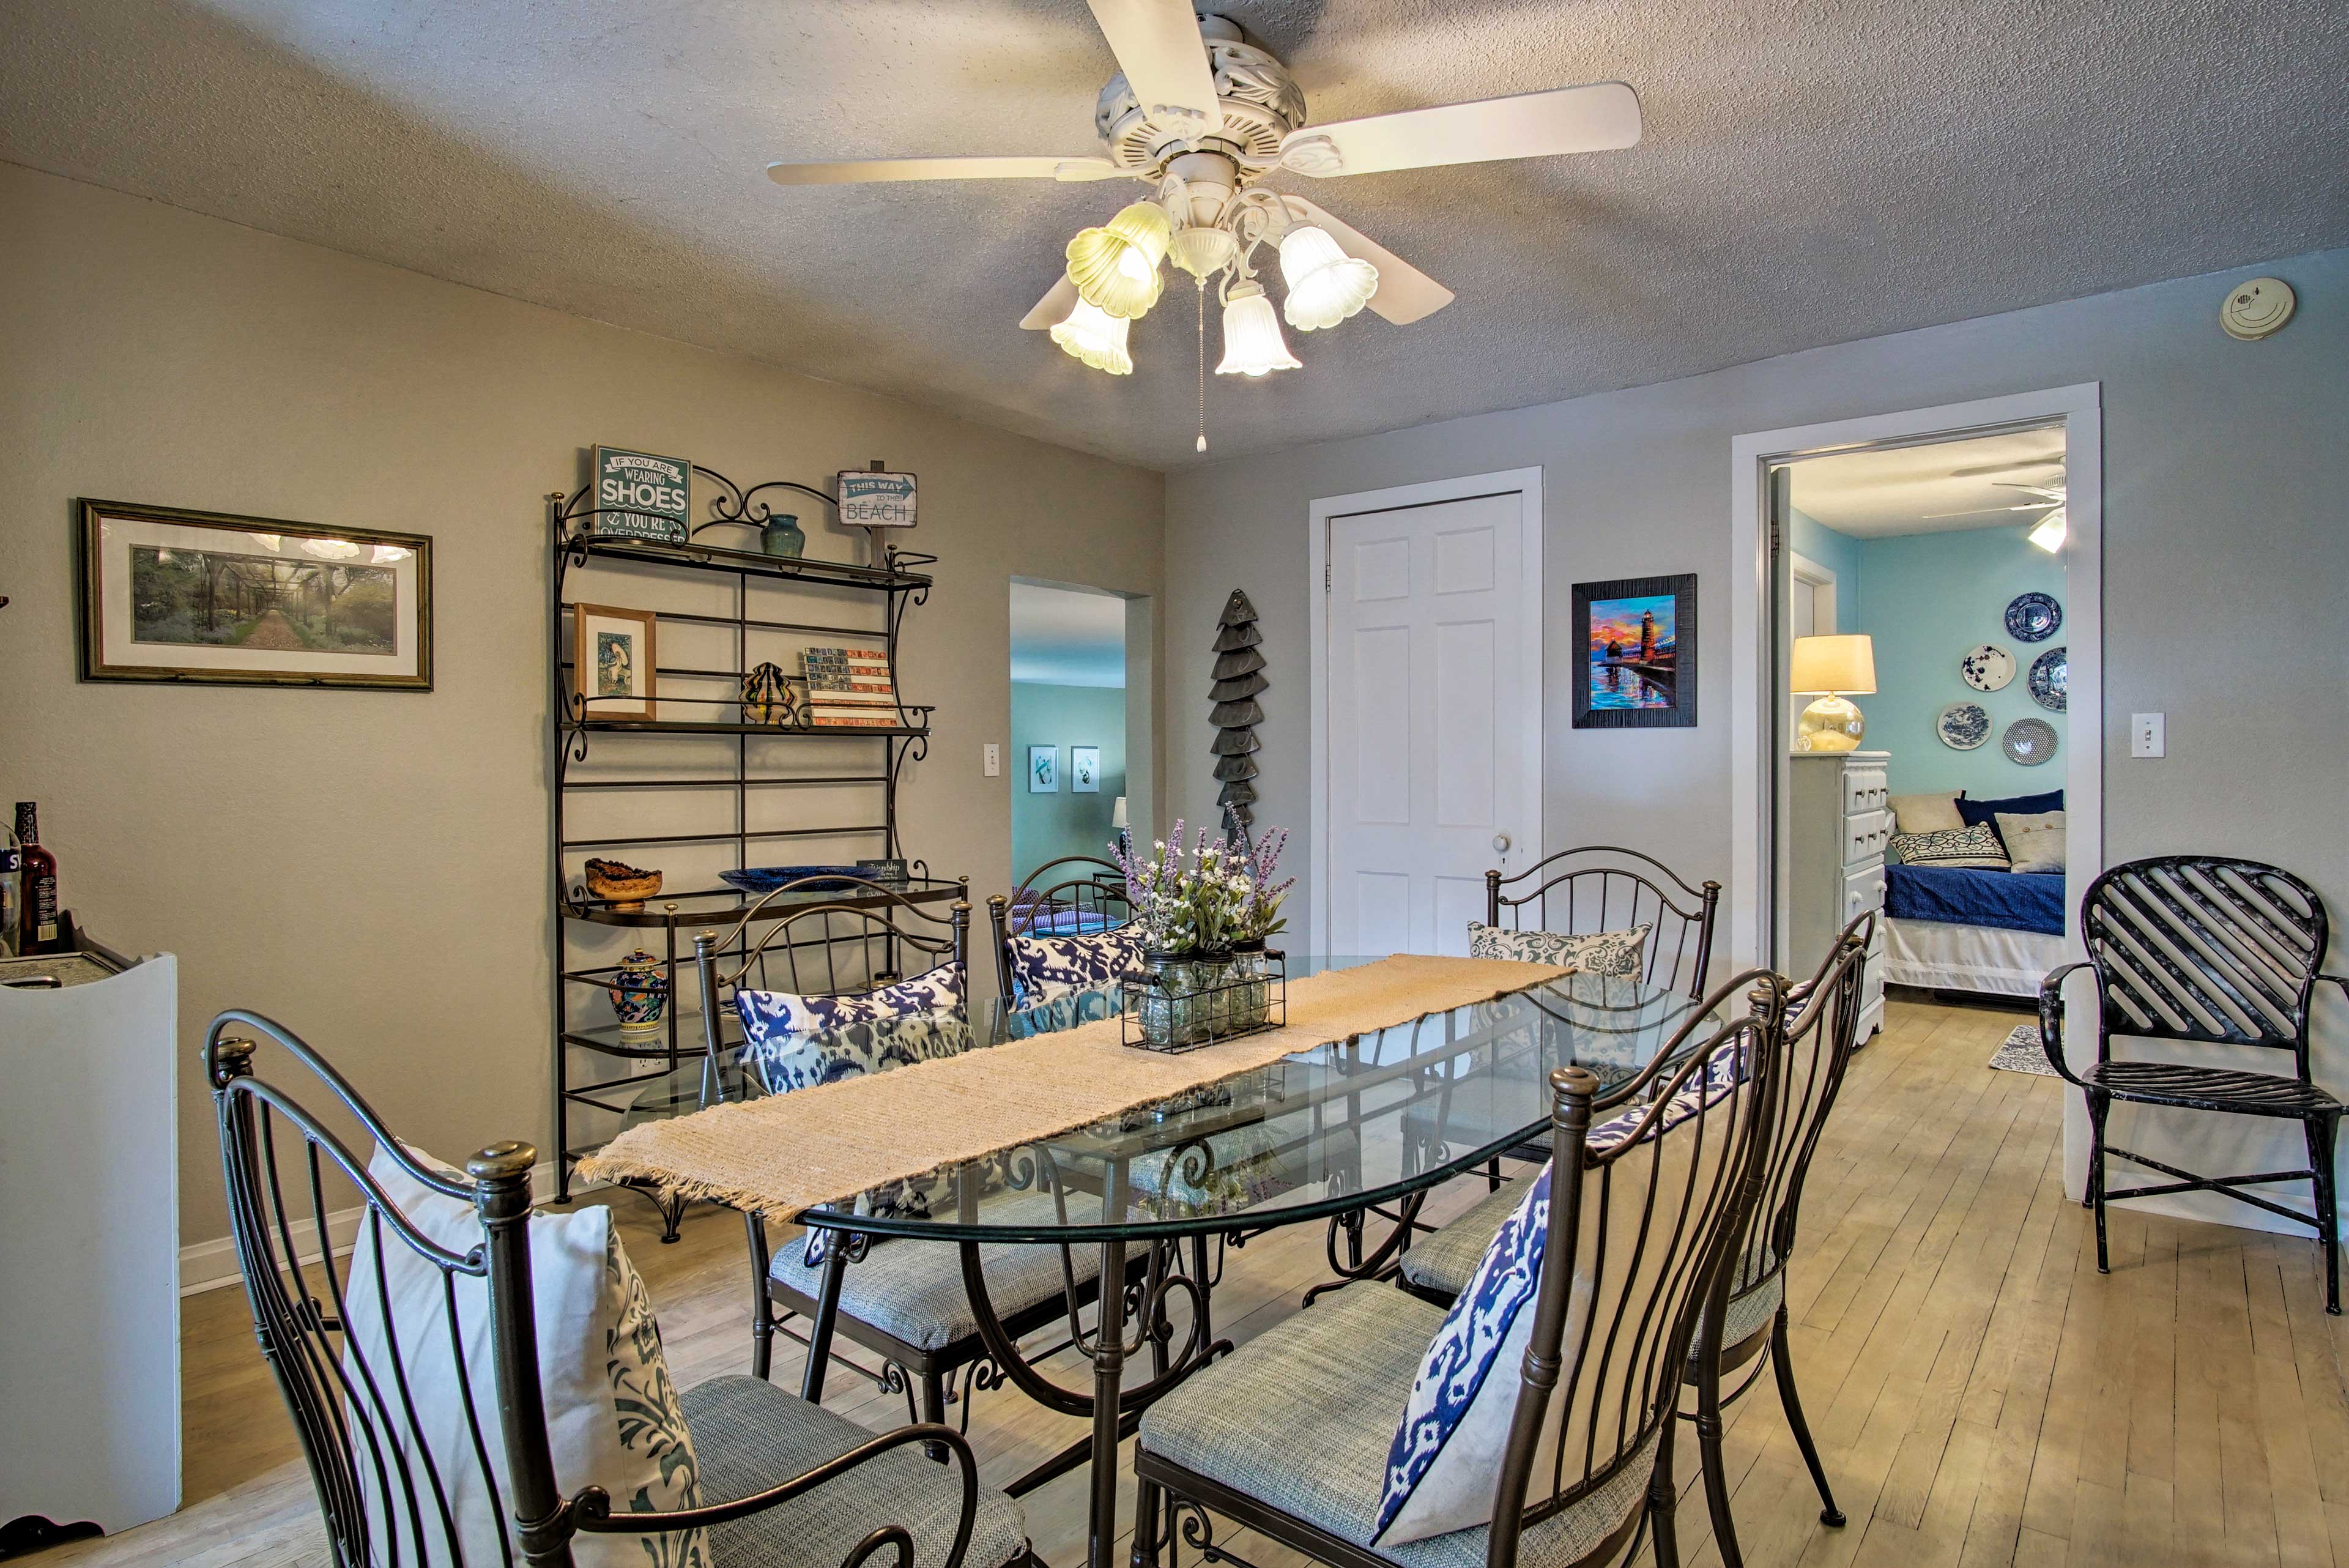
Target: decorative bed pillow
x,y
1600,952
1959,848
1455,1427
767,1013
1986,812
2034,843
612,1416
1914,813
1043,968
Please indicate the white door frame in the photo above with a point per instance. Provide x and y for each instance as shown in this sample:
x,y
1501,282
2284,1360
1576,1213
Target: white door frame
x,y
2080,408
1526,483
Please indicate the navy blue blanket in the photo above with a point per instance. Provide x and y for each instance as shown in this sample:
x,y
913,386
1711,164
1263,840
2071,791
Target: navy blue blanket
x,y
2009,900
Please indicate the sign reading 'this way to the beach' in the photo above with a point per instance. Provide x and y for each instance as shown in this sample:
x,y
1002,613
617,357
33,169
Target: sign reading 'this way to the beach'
x,y
869,500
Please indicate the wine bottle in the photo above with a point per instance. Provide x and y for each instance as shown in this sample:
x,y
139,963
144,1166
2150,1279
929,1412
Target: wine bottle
x,y
11,894
37,888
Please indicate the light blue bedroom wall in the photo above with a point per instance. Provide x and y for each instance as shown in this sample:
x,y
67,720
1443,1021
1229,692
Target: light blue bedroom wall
x,y
1838,552
1047,826
1931,599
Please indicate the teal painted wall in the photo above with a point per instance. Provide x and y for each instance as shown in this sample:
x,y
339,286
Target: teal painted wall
x,y
1047,826
1930,599
1838,552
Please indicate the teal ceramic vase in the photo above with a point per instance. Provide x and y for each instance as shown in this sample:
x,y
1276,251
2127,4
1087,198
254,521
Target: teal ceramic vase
x,y
782,536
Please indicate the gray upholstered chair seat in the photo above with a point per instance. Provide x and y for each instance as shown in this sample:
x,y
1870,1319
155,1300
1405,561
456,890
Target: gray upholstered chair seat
x,y
1301,1418
748,1434
1443,1264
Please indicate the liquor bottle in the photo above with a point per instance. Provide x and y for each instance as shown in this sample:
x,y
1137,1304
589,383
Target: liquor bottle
x,y
11,894
37,884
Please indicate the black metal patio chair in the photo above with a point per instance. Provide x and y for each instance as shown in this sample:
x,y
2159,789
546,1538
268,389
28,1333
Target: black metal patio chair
x,y
1290,1435
400,1425
2204,950
1601,888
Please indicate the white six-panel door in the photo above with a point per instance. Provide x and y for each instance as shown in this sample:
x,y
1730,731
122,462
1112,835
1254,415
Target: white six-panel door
x,y
1431,714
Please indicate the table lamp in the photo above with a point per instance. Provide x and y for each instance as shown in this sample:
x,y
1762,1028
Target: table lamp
x,y
1835,666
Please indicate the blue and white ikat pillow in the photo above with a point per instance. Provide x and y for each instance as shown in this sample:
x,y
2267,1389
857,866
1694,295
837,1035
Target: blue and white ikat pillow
x,y
1043,968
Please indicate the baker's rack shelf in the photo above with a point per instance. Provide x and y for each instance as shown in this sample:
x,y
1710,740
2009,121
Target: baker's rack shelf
x,y
732,757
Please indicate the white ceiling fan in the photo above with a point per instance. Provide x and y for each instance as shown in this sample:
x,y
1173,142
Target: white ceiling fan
x,y
1201,116
2049,531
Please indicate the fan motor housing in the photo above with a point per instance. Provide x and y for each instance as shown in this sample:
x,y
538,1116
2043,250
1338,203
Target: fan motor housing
x,y
1261,103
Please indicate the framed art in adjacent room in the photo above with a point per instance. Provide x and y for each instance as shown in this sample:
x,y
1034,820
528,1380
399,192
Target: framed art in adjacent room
x,y
1043,770
1084,769
612,663
1638,669
166,593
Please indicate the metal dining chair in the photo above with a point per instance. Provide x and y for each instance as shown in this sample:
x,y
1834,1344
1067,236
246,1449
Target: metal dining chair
x,y
2202,950
1075,895
1293,1433
400,1427
1601,888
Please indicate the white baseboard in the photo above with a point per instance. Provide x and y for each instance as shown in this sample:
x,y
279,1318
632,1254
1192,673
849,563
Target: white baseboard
x,y
208,1265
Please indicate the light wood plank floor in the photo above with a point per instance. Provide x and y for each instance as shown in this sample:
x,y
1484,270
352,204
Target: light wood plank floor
x,y
1981,1395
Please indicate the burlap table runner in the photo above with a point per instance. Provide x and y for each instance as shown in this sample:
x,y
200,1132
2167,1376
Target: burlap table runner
x,y
787,1153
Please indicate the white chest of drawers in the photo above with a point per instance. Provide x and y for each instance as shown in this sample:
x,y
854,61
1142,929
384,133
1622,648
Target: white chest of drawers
x,y
1838,824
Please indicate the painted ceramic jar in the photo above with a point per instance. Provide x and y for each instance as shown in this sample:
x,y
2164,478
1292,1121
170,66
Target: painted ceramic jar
x,y
782,536
639,994
767,696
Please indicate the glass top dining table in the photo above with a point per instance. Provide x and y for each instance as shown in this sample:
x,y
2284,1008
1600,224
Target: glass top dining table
x,y
1329,1130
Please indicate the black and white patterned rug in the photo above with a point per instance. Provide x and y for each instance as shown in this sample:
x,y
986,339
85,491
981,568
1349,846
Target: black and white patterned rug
x,y
2023,1053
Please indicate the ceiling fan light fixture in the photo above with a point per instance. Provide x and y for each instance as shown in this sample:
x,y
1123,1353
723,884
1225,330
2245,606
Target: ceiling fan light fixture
x,y
1115,266
1095,337
1252,342
2049,531
1325,285
1202,252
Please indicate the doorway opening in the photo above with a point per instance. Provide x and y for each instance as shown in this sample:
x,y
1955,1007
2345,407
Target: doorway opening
x,y
1069,761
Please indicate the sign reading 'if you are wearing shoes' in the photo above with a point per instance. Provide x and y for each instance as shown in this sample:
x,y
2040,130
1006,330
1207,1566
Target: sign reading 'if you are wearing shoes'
x,y
640,496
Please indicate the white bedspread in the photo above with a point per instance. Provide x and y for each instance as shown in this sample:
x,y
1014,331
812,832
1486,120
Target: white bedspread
x,y
1945,956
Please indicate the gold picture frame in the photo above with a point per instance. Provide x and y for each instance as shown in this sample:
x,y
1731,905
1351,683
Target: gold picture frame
x,y
614,669
220,598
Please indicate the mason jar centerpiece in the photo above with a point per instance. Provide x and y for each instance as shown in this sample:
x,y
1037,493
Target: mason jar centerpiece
x,y
1204,914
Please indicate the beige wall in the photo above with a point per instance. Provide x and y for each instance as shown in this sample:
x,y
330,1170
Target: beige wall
x,y
372,868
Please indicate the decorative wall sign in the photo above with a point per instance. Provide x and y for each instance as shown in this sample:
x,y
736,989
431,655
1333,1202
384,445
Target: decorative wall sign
x,y
1238,677
640,496
1084,769
1639,671
612,663
869,500
1043,770
173,594
2034,618
2050,679
1988,667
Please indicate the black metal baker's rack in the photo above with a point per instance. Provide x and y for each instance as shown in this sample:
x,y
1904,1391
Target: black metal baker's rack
x,y
746,766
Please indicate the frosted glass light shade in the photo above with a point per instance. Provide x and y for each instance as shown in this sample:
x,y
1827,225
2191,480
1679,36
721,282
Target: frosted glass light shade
x,y
1115,266
2049,531
1834,664
1097,338
1252,341
1325,285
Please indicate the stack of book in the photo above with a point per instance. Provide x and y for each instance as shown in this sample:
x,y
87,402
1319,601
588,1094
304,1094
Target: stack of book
x,y
849,688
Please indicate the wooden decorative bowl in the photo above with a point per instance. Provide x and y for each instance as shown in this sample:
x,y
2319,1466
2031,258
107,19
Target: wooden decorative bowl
x,y
625,886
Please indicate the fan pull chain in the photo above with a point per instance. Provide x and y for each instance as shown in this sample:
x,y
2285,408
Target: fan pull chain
x,y
1203,364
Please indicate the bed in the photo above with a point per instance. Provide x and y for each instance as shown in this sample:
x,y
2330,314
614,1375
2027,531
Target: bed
x,y
1948,929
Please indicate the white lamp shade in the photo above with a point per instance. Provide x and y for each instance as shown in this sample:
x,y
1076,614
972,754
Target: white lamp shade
x,y
1325,285
1252,341
1117,813
1115,266
1097,338
1844,664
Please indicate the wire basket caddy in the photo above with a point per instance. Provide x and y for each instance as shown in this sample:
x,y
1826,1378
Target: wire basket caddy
x,y
1181,1003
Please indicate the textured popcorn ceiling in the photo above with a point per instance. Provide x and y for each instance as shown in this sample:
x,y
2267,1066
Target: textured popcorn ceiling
x,y
1812,173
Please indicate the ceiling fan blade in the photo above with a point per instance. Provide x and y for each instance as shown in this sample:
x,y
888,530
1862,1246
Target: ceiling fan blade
x,y
1593,118
1054,308
1158,47
1066,170
1405,293
1994,511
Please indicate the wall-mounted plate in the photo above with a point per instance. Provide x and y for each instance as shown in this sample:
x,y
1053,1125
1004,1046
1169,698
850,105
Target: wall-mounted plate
x,y
1963,726
1988,667
2050,679
2030,742
2034,618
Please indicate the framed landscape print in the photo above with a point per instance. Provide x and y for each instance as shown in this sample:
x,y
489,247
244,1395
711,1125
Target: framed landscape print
x,y
1084,769
1043,770
1637,669
612,663
168,594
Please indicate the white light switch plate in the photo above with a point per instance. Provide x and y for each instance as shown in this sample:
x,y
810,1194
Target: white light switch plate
x,y
994,760
2148,735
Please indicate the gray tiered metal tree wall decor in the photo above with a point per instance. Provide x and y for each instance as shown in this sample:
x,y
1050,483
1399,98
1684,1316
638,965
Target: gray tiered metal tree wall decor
x,y
1239,676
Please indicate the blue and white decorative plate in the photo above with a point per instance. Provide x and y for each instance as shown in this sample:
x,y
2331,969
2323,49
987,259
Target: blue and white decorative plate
x,y
767,878
2030,742
1988,667
2034,618
2050,679
1963,726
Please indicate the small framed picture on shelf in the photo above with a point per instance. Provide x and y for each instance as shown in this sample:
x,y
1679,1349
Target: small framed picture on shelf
x,y
612,666
173,595
1043,770
1084,769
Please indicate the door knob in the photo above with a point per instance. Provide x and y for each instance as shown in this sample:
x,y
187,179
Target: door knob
x,y
1501,843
